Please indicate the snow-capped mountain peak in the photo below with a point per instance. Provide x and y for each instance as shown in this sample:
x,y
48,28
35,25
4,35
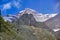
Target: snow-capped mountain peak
x,y
26,11
39,17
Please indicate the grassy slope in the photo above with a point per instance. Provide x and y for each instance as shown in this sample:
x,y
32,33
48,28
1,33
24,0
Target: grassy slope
x,y
6,32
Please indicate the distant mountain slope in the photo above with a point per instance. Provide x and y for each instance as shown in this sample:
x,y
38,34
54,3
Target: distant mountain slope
x,y
10,18
54,23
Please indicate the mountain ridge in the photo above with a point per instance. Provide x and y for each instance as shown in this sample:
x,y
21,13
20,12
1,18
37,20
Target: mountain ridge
x,y
39,17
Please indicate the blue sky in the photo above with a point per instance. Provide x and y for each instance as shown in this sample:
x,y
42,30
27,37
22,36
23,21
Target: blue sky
x,y
14,6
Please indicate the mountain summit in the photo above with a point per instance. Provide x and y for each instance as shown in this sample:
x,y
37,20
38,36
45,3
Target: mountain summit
x,y
39,17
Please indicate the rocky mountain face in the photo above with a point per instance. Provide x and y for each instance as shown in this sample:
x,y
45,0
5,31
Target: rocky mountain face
x,y
28,19
54,24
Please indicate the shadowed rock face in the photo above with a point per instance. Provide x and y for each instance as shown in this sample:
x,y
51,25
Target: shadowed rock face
x,y
54,23
28,19
58,33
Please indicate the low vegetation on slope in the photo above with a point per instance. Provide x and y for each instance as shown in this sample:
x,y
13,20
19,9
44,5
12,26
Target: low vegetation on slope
x,y
34,33
6,33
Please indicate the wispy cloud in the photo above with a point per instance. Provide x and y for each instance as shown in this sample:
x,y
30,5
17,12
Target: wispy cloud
x,y
17,3
10,5
7,6
57,5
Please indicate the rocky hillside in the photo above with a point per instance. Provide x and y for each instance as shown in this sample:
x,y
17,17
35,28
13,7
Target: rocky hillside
x,y
34,33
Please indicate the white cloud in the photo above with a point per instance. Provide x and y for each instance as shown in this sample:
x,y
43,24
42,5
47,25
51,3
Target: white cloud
x,y
57,5
7,6
17,3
